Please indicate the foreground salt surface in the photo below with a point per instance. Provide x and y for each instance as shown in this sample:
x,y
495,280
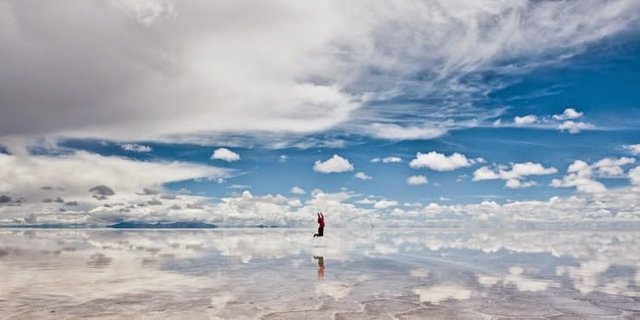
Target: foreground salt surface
x,y
350,274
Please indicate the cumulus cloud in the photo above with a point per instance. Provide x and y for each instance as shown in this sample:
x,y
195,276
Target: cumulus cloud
x,y
111,186
297,190
515,176
562,122
368,200
225,154
27,175
384,204
568,114
582,175
335,164
144,71
525,120
633,148
362,176
249,209
134,147
439,161
416,180
574,127
101,192
612,167
634,176
331,72
609,205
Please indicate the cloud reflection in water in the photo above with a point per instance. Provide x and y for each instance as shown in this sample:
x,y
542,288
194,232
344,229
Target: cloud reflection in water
x,y
247,273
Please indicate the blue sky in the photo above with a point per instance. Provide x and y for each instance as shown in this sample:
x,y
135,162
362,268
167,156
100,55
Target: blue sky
x,y
531,105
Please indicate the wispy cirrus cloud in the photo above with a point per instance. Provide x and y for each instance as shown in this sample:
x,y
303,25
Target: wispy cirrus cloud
x,y
134,147
422,60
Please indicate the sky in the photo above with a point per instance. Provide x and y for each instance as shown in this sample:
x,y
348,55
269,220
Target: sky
x,y
404,113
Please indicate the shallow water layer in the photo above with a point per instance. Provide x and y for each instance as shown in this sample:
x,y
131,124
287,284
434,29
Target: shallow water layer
x,y
349,274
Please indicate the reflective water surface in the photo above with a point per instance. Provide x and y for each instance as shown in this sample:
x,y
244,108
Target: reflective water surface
x,y
349,274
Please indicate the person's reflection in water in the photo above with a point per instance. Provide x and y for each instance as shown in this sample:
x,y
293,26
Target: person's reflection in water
x,y
320,266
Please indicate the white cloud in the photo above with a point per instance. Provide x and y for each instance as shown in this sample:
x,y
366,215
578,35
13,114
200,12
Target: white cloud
x,y
565,119
518,184
634,176
295,203
516,278
397,132
225,154
325,61
300,141
568,114
28,175
297,190
335,164
146,13
384,204
248,93
250,210
525,120
515,176
239,186
136,147
112,187
485,173
441,292
439,162
416,180
368,200
633,148
362,176
574,127
581,175
612,167
387,160
335,289
283,158
620,205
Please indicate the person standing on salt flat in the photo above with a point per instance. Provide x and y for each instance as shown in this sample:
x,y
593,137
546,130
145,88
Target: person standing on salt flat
x,y
321,225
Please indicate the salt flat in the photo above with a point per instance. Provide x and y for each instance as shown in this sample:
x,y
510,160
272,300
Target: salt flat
x,y
349,274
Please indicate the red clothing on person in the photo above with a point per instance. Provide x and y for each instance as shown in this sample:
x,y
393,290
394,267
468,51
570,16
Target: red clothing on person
x,y
321,222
